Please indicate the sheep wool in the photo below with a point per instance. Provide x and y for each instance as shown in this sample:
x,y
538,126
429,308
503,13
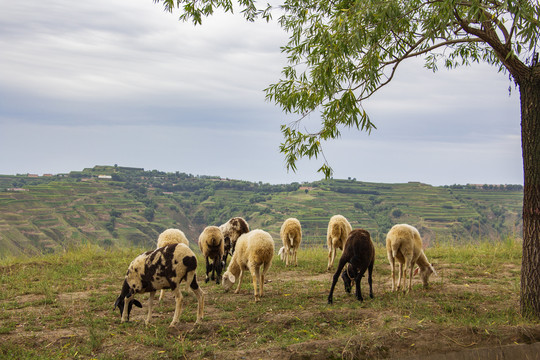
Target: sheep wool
x,y
338,231
172,236
404,244
291,236
254,252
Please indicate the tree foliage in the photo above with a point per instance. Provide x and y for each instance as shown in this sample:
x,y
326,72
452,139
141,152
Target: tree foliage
x,y
341,52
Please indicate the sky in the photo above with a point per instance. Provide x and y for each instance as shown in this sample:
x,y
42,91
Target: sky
x,y
112,82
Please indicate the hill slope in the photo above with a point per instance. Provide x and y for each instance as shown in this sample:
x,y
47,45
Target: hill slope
x,y
116,206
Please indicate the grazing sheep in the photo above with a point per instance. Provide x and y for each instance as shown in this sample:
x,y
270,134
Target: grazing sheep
x,y
403,242
232,230
359,254
338,231
211,244
163,268
291,236
168,237
172,236
253,251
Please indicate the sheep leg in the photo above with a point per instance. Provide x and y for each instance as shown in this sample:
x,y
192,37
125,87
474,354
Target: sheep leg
x,y
239,281
331,256
255,276
400,275
266,266
194,286
218,267
125,314
295,254
342,262
358,289
411,268
207,270
361,271
393,269
150,304
287,255
161,295
178,307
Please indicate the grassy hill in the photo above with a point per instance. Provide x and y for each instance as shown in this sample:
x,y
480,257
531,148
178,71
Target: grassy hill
x,y
60,306
130,207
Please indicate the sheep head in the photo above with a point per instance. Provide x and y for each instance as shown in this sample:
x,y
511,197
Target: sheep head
x,y
425,273
228,280
127,292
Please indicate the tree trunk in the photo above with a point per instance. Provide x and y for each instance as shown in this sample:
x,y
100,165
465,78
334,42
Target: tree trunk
x,y
530,143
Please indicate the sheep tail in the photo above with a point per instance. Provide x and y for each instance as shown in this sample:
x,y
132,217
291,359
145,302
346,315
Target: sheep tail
x,y
291,240
395,247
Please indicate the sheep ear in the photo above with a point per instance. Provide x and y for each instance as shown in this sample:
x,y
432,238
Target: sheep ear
x,y
232,278
416,271
137,303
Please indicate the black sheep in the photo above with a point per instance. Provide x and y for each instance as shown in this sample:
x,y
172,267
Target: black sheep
x,y
359,253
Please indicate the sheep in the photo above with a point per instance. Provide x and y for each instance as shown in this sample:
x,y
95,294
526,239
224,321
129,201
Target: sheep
x,y
163,268
403,242
211,243
291,236
359,254
232,230
338,231
253,251
168,237
172,236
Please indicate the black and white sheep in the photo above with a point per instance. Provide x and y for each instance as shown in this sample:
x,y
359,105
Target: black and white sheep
x,y
231,231
163,268
211,243
338,231
291,236
404,244
254,252
168,237
359,256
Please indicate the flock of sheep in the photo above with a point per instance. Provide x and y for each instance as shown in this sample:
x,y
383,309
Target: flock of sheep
x,y
173,262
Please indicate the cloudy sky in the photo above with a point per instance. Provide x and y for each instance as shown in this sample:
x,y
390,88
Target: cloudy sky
x,y
113,82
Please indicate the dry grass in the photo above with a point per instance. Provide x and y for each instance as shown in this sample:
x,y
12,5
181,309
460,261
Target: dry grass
x,y
60,306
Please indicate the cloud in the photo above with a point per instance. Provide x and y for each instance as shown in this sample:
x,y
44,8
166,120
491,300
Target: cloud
x,y
113,82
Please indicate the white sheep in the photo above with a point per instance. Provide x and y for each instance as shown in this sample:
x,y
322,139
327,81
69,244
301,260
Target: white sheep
x,y
338,231
163,268
291,236
211,243
168,237
172,236
403,242
254,251
232,230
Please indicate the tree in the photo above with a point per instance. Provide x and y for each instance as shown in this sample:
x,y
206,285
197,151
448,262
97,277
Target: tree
x,y
341,52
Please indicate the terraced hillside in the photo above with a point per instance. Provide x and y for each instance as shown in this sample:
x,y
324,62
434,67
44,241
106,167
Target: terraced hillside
x,y
131,206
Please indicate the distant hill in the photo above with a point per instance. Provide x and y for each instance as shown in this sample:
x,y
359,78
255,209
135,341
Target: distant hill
x,y
123,206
